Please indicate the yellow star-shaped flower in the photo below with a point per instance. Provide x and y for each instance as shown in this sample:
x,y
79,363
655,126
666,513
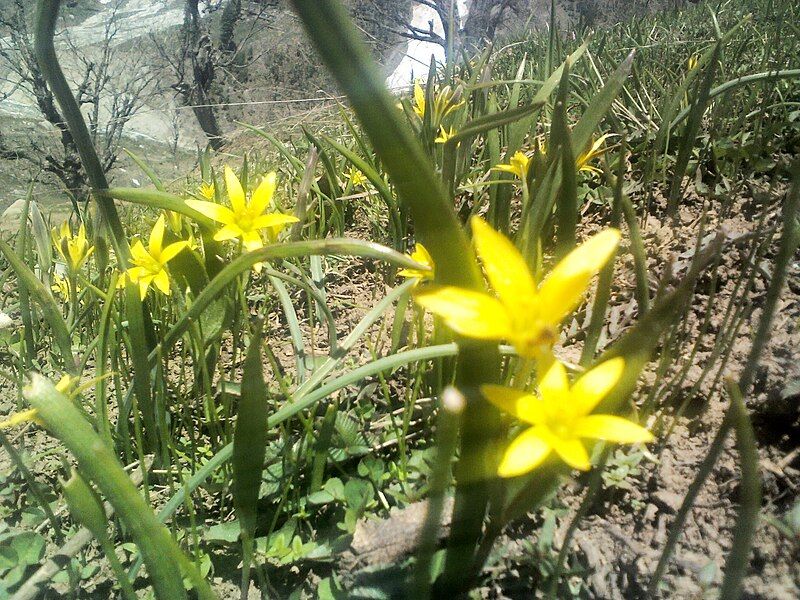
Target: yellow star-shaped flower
x,y
445,101
244,220
423,257
526,315
62,286
560,416
595,150
519,165
149,264
444,135
356,177
74,249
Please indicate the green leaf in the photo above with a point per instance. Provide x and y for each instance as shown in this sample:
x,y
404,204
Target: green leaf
x,y
99,463
146,169
218,285
85,506
601,102
29,548
736,566
161,201
44,246
249,446
227,532
45,300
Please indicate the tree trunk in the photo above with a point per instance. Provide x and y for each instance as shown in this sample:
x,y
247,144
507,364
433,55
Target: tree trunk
x,y
482,21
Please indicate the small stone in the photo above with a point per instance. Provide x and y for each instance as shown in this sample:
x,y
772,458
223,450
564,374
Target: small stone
x,y
7,327
668,501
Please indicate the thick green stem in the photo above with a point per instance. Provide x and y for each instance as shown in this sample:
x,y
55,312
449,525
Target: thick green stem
x,y
97,461
437,226
44,49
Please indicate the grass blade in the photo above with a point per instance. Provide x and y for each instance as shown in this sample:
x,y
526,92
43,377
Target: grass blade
x,y
249,447
161,553
46,302
749,498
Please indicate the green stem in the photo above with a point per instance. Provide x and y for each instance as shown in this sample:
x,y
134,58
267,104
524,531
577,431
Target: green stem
x,y
437,226
161,553
44,49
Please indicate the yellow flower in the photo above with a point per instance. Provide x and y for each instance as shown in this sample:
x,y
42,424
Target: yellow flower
x,y
61,286
419,100
582,161
444,102
518,165
207,190
560,416
526,315
423,257
66,385
244,220
594,151
356,178
149,264
274,231
444,135
692,62
74,249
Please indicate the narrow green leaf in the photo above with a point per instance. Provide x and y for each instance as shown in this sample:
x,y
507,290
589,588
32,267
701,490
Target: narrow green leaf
x,y
161,201
46,302
146,169
161,553
749,498
249,447
138,351
218,285
690,133
601,102
44,244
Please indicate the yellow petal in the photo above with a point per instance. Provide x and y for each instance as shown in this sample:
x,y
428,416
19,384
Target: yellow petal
x,y
525,407
228,232
252,240
272,220
139,252
413,273
422,256
215,212
235,191
20,418
612,429
594,385
554,385
524,454
172,251
505,169
136,273
144,283
472,314
505,267
419,99
564,288
157,237
262,196
162,281
572,452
